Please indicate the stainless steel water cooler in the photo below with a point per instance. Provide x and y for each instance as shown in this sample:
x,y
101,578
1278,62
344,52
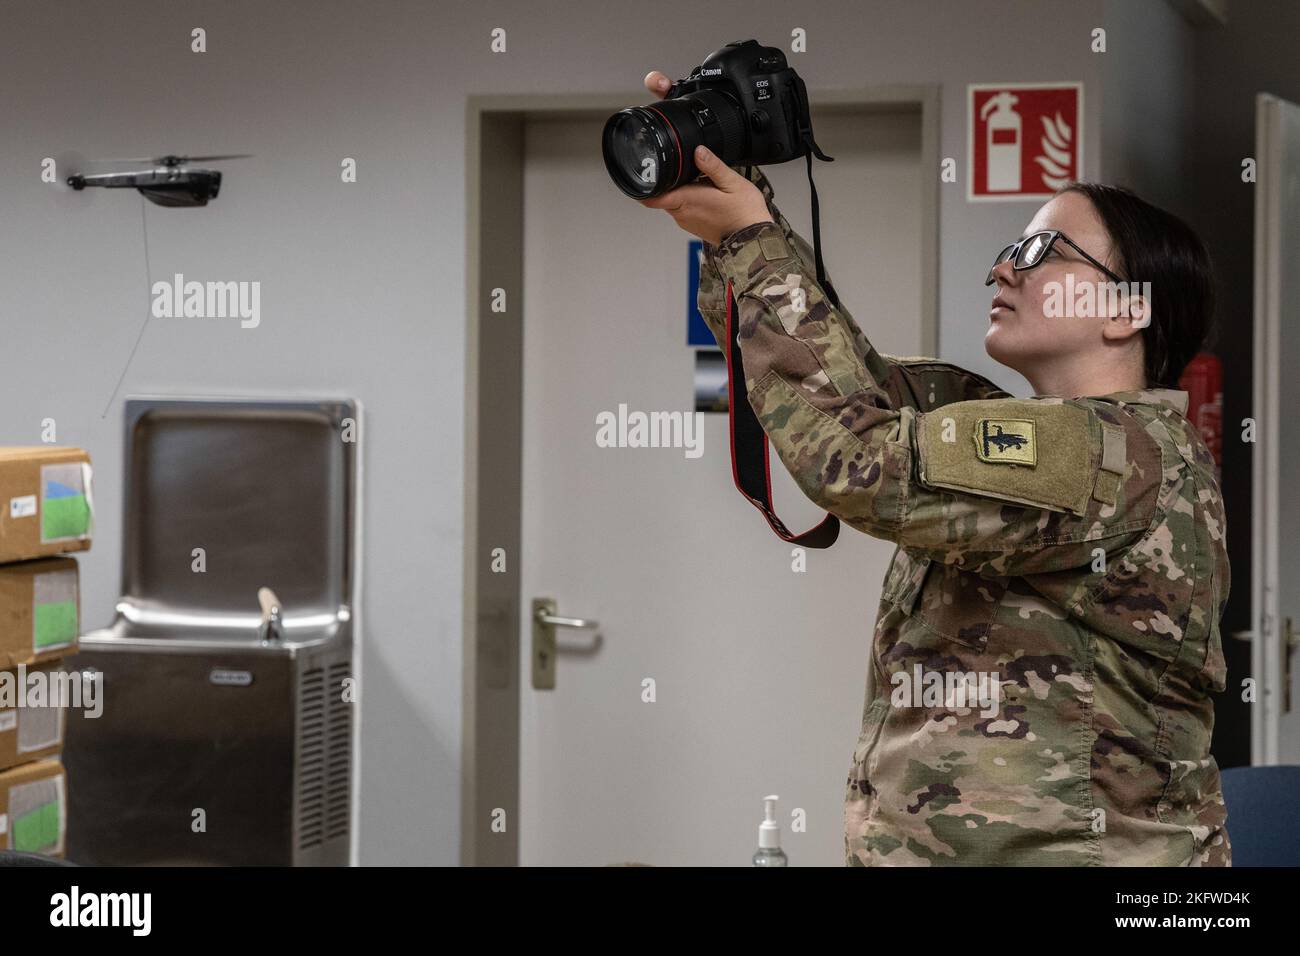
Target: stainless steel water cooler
x,y
226,732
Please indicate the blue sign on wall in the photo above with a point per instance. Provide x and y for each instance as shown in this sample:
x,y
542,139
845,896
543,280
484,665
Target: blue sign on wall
x,y
697,332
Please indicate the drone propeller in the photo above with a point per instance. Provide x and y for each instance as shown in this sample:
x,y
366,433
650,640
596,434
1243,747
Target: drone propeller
x,y
210,159
172,160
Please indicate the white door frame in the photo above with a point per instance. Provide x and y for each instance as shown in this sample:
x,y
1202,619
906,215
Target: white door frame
x,y
494,163
1269,649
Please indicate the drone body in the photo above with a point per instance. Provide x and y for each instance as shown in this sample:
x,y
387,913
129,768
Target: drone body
x,y
169,183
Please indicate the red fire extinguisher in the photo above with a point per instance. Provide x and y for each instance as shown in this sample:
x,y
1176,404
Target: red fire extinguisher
x,y
1203,382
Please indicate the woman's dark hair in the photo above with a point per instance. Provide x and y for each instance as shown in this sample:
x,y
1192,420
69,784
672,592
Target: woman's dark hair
x,y
1155,246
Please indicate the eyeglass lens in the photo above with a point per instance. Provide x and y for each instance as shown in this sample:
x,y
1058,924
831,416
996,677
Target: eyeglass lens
x,y
1027,253
1032,250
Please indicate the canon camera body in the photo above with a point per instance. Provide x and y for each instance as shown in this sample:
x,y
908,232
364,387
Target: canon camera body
x,y
743,102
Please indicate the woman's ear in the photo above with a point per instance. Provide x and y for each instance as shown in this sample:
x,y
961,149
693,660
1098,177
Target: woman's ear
x,y
1133,314
1139,311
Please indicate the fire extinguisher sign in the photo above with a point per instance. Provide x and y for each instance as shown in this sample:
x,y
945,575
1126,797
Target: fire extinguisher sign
x,y
1024,140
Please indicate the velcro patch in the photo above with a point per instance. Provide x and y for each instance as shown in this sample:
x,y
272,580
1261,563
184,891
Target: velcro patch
x,y
774,247
1114,448
1008,441
1114,455
1041,453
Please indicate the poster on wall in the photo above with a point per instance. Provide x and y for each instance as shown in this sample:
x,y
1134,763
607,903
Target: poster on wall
x,y
1024,141
697,332
710,364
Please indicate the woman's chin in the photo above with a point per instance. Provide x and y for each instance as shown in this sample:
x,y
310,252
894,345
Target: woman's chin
x,y
995,343
998,347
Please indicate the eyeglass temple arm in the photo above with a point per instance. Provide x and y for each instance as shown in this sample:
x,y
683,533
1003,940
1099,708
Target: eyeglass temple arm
x,y
1073,245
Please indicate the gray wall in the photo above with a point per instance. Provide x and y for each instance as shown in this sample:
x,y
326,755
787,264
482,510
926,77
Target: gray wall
x,y
363,284
1146,83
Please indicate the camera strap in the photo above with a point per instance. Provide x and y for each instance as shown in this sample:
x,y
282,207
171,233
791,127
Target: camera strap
x,y
811,149
822,281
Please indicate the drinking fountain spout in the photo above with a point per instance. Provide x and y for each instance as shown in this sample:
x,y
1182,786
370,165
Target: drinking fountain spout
x,y
272,626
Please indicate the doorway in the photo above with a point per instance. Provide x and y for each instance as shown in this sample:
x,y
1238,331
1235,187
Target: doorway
x,y
718,673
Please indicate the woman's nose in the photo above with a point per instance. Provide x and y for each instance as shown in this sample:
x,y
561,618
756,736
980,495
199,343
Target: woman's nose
x,y
1005,273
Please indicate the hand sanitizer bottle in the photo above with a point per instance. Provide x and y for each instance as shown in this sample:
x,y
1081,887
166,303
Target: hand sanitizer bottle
x,y
769,837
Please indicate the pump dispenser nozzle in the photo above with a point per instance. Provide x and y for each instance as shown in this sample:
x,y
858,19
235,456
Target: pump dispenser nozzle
x,y
769,851
769,833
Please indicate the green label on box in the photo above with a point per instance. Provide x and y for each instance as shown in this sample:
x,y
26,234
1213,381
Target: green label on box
x,y
56,623
65,517
50,823
37,829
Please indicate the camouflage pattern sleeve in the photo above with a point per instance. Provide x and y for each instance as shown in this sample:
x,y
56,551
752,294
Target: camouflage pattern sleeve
x,y
922,383
711,299
1003,486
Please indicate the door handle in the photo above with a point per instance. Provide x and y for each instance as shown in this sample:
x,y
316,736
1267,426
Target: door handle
x,y
545,621
555,620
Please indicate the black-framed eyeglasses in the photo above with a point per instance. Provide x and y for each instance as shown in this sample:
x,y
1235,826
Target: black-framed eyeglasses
x,y
1031,250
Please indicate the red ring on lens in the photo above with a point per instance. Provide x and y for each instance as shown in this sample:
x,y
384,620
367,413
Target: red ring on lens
x,y
672,129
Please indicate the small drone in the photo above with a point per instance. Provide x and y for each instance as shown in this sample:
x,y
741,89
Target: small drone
x,y
171,182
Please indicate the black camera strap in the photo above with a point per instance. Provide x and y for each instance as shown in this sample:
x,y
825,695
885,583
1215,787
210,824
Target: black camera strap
x,y
811,149
822,281
750,464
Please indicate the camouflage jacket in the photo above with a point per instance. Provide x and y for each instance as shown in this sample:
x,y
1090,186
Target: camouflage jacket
x,y
1064,555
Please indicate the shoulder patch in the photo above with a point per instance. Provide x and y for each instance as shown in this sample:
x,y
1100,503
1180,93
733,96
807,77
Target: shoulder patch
x,y
1009,441
1039,452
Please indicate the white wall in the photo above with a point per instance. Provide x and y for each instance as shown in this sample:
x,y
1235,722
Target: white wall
x,y
363,284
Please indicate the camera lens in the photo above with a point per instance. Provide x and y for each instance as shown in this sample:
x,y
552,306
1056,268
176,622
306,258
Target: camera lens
x,y
638,144
649,150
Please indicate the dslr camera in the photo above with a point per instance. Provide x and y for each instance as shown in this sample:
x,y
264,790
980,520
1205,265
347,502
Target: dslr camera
x,y
743,102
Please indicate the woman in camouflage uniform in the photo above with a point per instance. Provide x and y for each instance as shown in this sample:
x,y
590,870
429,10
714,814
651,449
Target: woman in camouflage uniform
x,y
1066,550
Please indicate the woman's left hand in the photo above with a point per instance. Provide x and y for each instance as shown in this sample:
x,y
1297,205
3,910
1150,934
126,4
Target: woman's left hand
x,y
714,211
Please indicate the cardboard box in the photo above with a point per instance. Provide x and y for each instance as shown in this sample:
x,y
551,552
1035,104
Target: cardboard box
x,y
30,733
46,506
34,808
40,611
